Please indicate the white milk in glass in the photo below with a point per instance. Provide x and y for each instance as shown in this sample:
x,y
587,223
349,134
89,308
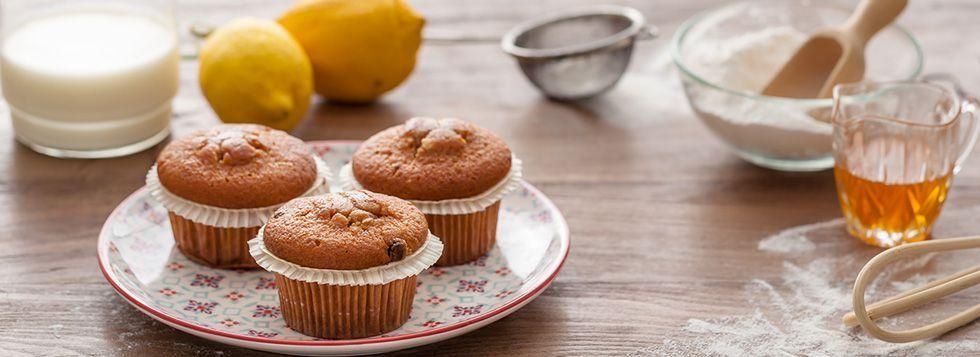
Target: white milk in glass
x,y
90,82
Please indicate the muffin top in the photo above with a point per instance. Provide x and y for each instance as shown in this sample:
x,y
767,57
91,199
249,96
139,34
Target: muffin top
x,y
432,159
345,231
237,166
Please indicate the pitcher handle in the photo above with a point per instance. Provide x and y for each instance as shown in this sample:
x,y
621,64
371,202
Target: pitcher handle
x,y
968,105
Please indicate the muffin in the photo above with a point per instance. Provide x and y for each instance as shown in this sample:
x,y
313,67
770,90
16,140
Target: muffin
x,y
454,171
221,184
346,263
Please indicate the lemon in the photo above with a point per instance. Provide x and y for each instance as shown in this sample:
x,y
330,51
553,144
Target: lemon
x,y
360,49
253,71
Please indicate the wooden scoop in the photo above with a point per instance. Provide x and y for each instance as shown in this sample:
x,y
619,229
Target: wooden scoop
x,y
834,55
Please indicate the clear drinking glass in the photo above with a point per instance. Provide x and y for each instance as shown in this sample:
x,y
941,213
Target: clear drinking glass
x,y
89,78
896,147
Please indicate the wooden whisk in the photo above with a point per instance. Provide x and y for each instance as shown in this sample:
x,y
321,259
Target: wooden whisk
x,y
865,315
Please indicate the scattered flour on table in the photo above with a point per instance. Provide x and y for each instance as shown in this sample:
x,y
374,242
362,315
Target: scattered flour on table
x,y
799,315
794,240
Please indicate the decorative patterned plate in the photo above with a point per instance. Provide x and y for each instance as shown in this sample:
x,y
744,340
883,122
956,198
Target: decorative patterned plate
x,y
241,308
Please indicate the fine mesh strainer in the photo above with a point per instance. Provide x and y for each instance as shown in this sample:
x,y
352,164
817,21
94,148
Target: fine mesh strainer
x,y
579,53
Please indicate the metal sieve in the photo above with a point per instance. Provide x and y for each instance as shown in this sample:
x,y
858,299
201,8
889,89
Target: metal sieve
x,y
578,53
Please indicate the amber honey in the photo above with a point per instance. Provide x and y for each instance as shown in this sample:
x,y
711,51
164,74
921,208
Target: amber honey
x,y
886,214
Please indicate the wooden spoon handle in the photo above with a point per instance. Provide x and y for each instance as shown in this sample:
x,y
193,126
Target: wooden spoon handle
x,y
873,15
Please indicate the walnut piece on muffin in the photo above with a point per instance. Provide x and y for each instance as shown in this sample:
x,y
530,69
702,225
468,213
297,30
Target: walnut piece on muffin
x,y
237,166
432,159
349,230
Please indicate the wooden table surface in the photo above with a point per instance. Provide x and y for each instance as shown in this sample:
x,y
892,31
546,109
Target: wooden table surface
x,y
665,221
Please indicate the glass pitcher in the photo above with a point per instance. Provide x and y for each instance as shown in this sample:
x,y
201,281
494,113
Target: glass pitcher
x,y
896,147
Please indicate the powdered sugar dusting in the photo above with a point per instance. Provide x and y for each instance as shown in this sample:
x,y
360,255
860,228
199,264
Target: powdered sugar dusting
x,y
798,313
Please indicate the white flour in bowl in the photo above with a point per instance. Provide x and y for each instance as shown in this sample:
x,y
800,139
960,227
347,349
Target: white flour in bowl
x,y
746,62
723,52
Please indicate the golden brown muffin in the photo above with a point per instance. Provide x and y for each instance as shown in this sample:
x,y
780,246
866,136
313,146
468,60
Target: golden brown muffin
x,y
237,166
432,159
345,231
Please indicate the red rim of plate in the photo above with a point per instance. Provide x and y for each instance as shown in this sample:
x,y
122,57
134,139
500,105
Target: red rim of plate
x,y
563,227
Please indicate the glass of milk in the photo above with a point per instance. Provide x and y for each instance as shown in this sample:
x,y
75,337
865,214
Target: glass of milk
x,y
86,78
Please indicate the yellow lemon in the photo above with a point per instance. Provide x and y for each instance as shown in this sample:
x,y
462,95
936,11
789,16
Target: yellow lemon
x,y
253,71
360,49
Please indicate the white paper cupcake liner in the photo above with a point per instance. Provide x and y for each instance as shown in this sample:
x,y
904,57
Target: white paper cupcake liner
x,y
454,206
226,217
413,264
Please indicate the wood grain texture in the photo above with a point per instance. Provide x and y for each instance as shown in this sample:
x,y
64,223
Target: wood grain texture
x,y
664,220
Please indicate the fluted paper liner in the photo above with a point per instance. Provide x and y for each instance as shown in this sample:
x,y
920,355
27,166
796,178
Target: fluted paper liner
x,y
465,236
411,265
225,248
344,312
457,206
226,217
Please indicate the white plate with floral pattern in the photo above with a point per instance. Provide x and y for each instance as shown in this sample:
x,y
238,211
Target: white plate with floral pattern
x,y
241,308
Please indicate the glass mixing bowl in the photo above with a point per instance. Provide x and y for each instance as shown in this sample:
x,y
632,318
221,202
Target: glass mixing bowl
x,y
779,133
